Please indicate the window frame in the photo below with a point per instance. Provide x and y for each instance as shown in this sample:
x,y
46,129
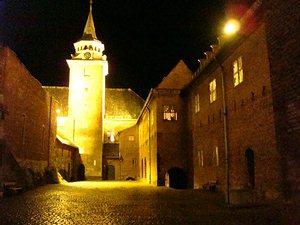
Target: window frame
x,y
197,103
169,113
237,71
215,157
213,90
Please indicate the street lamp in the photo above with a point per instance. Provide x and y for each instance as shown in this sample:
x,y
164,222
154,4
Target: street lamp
x,y
231,27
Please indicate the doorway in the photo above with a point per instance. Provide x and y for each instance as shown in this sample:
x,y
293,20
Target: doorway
x,y
177,178
110,172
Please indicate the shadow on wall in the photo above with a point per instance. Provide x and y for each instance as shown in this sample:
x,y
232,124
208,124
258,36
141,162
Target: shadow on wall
x,y
176,178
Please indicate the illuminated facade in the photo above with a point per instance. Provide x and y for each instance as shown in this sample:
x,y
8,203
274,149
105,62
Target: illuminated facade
x,y
91,115
88,68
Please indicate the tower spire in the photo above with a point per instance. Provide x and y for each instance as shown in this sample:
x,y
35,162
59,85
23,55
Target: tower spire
x,y
89,32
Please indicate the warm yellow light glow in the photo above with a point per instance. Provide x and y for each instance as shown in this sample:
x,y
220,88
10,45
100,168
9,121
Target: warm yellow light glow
x,y
58,111
61,121
108,184
231,27
81,151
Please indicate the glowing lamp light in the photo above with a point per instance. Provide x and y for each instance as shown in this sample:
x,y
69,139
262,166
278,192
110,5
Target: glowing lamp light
x,y
231,27
58,111
81,151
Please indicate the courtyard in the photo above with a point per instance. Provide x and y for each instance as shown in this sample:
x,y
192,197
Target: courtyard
x,y
117,202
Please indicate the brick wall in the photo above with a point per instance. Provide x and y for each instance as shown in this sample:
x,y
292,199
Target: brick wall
x,y
250,120
29,134
283,35
129,150
171,147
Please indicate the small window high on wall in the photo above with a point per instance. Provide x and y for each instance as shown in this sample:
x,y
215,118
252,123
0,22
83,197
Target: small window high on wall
x,y
170,113
197,103
238,75
213,91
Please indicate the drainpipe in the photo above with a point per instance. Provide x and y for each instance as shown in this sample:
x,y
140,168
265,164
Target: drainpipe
x,y
224,106
149,124
49,131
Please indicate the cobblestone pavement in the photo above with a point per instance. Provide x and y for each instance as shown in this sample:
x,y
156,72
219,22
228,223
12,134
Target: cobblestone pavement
x,y
126,203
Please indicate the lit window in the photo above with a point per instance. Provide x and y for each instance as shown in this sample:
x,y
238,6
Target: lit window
x,y
169,112
212,91
200,159
197,103
238,71
131,138
216,156
111,136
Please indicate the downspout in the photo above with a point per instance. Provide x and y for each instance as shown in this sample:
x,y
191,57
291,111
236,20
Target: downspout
x,y
149,136
224,106
49,131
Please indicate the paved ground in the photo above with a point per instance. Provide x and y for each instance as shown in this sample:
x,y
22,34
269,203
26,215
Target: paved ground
x,y
126,203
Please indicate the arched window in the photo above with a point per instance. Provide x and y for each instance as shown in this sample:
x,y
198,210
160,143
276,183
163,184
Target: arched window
x,y
85,47
249,154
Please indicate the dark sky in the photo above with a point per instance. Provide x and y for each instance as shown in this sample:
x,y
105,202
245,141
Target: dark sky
x,y
144,39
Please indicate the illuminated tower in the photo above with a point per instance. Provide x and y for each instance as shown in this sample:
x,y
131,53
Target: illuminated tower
x,y
88,68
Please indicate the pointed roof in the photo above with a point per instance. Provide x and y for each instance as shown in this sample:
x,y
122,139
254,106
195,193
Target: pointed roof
x,y
179,76
89,32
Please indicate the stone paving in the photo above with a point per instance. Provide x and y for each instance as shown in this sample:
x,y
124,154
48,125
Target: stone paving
x,y
86,203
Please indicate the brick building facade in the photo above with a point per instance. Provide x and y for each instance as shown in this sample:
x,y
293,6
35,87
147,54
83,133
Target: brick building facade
x,y
162,139
242,111
29,128
283,35
243,151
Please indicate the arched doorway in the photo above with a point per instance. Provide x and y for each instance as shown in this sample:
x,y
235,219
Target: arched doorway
x,y
177,178
249,154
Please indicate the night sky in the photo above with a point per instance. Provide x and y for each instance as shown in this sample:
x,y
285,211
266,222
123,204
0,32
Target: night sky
x,y
144,39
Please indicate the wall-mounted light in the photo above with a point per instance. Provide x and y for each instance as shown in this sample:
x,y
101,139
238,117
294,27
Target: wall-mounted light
x,y
231,27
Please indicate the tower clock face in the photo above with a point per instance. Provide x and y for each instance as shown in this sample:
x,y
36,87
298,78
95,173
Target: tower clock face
x,y
87,55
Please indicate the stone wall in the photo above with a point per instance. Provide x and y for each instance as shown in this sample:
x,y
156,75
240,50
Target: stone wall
x,y
283,35
29,133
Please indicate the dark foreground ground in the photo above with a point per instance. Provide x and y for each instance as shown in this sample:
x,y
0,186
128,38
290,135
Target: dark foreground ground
x,y
128,203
